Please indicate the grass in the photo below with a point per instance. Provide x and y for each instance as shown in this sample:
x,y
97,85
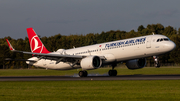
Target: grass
x,y
136,90
101,71
157,90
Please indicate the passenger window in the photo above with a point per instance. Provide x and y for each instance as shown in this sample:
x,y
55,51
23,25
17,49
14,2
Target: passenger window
x,y
158,40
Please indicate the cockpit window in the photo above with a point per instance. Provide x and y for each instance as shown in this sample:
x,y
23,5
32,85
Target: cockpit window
x,y
162,39
166,39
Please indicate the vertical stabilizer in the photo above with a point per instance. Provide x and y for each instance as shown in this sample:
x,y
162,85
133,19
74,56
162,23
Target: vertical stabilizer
x,y
35,43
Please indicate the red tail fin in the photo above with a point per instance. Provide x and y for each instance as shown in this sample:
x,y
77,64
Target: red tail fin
x,y
35,43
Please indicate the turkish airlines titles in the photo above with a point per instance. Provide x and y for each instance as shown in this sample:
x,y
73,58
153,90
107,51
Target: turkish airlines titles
x,y
125,42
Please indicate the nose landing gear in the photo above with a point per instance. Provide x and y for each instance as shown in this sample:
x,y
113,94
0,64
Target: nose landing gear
x,y
156,61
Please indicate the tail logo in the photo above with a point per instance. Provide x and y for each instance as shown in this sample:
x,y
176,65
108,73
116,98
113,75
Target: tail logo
x,y
36,45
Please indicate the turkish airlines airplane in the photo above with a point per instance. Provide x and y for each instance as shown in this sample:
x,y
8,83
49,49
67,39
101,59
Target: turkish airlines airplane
x,y
133,51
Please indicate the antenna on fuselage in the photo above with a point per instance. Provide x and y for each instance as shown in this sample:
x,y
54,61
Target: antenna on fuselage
x,y
153,33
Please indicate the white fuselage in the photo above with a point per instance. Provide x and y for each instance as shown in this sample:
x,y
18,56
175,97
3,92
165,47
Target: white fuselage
x,y
115,51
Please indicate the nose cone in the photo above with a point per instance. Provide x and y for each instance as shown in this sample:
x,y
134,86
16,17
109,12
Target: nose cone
x,y
170,46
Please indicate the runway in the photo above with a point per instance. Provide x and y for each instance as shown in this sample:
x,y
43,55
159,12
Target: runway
x,y
71,78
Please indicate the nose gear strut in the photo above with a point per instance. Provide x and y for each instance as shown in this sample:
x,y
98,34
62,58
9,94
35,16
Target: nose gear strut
x,y
156,61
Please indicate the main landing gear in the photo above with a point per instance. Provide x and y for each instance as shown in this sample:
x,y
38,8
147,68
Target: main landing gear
x,y
113,72
83,73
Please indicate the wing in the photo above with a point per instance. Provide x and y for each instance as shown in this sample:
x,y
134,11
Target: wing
x,y
54,56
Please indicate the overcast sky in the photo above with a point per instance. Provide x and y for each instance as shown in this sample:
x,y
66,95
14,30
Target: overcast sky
x,y
50,17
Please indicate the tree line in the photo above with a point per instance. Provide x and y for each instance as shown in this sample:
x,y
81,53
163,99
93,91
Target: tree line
x,y
53,43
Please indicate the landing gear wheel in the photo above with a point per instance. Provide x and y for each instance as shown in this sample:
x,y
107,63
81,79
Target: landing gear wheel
x,y
112,73
157,65
83,73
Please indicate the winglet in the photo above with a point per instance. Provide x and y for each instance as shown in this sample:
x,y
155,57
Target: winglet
x,y
10,46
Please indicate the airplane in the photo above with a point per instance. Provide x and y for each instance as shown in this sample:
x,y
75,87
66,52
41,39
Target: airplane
x,y
132,51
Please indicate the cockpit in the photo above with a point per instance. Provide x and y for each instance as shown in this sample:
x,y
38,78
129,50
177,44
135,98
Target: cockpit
x,y
163,39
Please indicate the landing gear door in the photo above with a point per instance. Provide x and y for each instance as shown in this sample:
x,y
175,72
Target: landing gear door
x,y
148,42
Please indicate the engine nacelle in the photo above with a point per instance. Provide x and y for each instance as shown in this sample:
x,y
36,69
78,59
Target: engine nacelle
x,y
91,62
136,64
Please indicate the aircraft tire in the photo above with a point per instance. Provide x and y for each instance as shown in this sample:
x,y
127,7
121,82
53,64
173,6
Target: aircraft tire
x,y
157,65
83,73
112,72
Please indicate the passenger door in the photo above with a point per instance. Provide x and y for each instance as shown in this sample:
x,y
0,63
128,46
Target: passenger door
x,y
148,42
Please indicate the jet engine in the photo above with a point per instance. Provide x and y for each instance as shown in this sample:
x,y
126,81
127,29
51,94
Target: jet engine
x,y
136,63
91,62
